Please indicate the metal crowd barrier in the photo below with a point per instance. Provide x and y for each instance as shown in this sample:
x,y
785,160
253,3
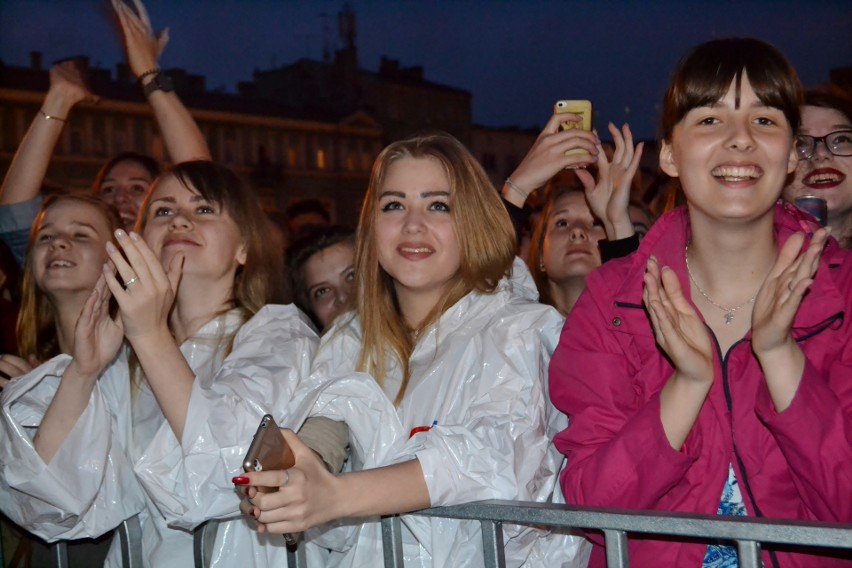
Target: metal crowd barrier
x,y
205,538
130,535
747,533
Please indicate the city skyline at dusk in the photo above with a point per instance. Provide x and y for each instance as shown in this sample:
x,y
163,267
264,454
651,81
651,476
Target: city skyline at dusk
x,y
516,58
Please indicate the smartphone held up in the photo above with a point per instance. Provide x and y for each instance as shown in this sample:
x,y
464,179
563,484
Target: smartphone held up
x,y
581,108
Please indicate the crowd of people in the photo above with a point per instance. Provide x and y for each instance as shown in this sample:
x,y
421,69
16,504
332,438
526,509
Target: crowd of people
x,y
551,341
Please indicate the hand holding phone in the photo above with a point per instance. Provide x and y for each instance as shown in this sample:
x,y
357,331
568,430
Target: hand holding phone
x,y
269,451
583,109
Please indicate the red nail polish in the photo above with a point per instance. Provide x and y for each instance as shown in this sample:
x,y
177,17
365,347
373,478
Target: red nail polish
x,y
240,480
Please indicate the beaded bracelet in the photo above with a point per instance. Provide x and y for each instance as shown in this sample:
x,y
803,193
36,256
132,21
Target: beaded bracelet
x,y
51,117
153,71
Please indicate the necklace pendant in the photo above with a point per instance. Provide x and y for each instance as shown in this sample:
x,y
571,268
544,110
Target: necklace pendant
x,y
729,317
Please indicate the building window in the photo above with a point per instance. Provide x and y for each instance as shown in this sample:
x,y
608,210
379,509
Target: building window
x,y
321,159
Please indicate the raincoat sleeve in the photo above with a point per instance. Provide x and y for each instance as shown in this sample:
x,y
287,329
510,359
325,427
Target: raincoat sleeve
x,y
190,480
815,432
496,448
89,487
16,219
618,453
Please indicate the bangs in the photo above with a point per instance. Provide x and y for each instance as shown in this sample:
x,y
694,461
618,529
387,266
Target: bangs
x,y
705,75
214,185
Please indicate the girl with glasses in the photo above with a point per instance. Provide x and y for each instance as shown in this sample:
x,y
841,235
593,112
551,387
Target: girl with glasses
x,y
824,147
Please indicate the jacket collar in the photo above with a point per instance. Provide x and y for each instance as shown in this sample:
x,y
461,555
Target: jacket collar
x,y
667,241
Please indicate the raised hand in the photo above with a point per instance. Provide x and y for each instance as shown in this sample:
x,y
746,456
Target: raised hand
x,y
681,334
306,493
67,84
146,292
775,307
143,47
679,331
97,336
547,156
780,295
609,197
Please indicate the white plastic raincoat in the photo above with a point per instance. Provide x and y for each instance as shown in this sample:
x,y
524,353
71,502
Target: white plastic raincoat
x,y
478,378
122,458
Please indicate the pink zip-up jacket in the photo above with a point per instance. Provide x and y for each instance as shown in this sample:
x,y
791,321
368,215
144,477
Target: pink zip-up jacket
x,y
607,373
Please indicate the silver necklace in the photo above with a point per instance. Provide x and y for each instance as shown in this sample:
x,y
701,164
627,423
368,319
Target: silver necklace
x,y
729,312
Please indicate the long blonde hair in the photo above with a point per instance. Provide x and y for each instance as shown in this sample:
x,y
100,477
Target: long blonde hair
x,y
486,238
36,329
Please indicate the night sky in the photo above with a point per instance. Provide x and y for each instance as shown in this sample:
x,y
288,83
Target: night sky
x,y
515,57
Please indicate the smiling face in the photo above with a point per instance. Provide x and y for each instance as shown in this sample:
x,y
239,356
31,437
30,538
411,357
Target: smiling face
x,y
824,174
732,157
415,232
329,275
570,247
179,219
125,187
68,250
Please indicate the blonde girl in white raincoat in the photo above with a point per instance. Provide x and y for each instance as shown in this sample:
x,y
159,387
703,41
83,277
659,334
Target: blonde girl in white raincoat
x,y
449,349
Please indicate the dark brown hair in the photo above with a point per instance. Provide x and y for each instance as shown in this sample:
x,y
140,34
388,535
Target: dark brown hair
x,y
259,281
704,76
315,240
147,162
830,98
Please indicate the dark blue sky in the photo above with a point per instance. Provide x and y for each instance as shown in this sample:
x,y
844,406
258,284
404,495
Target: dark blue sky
x,y
516,57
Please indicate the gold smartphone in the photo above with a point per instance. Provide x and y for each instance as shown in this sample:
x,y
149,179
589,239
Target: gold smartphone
x,y
582,108
268,449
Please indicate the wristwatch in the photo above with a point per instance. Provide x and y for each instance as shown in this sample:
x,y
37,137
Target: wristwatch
x,y
160,82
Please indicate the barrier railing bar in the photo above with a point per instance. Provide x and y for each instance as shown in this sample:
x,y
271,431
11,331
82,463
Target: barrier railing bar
x,y
775,531
203,539
59,551
616,549
296,557
492,544
130,538
392,542
748,554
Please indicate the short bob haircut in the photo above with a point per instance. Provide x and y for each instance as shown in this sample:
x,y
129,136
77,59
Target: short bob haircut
x,y
315,240
705,74
259,281
484,231
36,329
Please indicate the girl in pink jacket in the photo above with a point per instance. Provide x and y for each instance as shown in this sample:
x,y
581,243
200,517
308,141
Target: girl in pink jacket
x,y
709,372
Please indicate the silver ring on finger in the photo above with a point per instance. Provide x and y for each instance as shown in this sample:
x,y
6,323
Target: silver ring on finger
x,y
286,478
131,282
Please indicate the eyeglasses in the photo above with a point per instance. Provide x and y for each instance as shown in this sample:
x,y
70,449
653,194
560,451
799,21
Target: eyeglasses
x,y
838,143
